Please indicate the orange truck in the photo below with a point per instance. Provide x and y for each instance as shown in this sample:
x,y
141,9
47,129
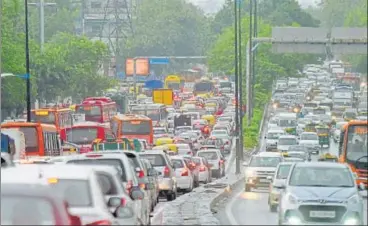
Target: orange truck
x,y
353,149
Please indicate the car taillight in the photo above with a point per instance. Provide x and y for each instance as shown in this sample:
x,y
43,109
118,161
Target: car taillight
x,y
129,186
166,172
202,169
142,185
227,142
140,174
221,161
185,173
101,222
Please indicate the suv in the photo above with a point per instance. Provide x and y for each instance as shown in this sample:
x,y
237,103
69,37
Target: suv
x,y
161,162
216,161
260,168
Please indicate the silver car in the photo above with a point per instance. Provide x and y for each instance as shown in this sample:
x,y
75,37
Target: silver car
x,y
317,193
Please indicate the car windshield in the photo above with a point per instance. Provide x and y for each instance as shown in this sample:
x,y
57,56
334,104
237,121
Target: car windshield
x,y
273,136
300,155
156,160
297,148
26,210
197,161
309,136
321,177
209,155
102,161
77,193
159,131
258,161
287,141
287,122
177,163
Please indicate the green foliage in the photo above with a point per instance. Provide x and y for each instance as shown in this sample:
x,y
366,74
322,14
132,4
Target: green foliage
x,y
68,66
251,136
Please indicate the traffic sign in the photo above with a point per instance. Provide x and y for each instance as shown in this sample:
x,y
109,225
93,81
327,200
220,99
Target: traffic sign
x,y
163,60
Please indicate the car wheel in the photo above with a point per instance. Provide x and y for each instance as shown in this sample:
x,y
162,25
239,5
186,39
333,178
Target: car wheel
x,y
223,172
247,188
273,208
170,196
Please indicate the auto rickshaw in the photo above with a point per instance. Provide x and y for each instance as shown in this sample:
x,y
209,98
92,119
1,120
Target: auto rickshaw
x,y
327,157
163,140
210,119
172,147
323,132
291,130
310,127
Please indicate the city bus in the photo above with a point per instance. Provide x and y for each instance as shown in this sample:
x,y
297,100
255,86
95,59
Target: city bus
x,y
97,109
132,126
40,139
191,75
85,133
174,82
59,117
156,112
353,149
204,87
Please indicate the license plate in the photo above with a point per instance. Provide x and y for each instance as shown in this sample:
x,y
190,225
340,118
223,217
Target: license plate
x,y
322,214
264,180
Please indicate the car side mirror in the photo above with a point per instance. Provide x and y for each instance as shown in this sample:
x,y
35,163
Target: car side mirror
x,y
114,202
245,164
137,194
123,212
149,186
265,137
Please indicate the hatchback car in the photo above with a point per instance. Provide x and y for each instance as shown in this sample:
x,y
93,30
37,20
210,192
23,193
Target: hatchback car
x,y
216,161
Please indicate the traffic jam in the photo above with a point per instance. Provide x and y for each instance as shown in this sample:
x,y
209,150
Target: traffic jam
x,y
110,160
315,162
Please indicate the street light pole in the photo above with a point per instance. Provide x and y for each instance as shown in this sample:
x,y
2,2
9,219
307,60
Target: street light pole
x,y
240,106
28,99
255,34
236,28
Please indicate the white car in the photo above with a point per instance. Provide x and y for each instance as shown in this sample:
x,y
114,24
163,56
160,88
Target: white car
x,y
183,174
204,171
337,131
78,184
216,161
309,139
272,137
285,141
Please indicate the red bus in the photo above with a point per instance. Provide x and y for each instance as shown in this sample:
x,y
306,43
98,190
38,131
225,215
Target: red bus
x,y
132,127
97,109
85,133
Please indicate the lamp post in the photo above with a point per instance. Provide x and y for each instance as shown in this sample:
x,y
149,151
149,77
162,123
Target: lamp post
x,y
28,82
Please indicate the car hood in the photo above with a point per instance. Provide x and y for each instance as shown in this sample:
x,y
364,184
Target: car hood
x,y
278,182
271,141
312,193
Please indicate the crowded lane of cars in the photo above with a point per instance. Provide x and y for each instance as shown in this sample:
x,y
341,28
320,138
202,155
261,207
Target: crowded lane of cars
x,y
312,166
146,157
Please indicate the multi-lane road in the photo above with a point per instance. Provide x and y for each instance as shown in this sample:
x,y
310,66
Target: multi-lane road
x,y
251,208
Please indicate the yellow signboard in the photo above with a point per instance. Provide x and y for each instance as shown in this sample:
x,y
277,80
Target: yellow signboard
x,y
42,113
163,96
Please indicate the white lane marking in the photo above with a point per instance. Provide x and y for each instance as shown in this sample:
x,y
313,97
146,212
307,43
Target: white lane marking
x,y
230,216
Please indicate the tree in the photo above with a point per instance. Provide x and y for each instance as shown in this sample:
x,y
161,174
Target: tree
x,y
178,29
69,66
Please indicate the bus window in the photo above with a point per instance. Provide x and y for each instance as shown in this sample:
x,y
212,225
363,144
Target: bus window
x,y
46,117
82,135
31,138
135,127
89,110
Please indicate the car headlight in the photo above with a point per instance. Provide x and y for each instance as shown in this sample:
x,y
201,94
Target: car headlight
x,y
351,221
353,200
274,106
294,220
292,199
250,173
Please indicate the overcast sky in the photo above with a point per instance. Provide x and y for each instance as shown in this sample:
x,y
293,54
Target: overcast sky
x,y
212,6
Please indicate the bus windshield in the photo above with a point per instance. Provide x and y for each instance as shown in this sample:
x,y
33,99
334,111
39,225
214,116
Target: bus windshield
x,y
173,85
89,110
357,144
203,87
136,127
81,136
50,118
31,138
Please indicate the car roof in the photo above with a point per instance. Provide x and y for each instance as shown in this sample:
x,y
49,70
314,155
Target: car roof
x,y
269,154
314,133
153,152
274,130
26,189
321,164
35,172
209,150
287,136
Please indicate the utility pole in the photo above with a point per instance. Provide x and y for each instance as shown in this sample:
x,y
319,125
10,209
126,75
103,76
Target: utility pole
x,y
41,10
249,66
237,129
241,103
28,81
255,34
1,13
